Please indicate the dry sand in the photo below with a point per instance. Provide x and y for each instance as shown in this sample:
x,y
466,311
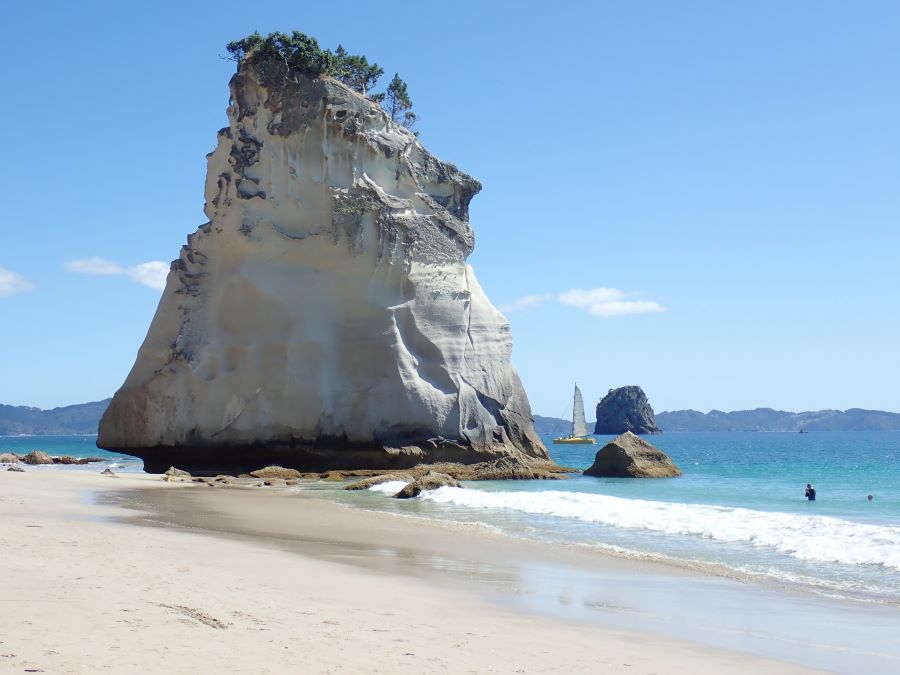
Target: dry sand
x,y
81,591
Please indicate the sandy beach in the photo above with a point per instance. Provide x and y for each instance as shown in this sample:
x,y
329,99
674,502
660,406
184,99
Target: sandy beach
x,y
130,574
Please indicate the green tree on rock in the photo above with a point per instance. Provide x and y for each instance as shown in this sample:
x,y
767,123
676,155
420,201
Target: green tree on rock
x,y
355,70
297,51
398,104
301,53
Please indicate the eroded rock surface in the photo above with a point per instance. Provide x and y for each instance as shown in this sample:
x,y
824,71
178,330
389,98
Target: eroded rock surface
x,y
625,409
325,316
630,456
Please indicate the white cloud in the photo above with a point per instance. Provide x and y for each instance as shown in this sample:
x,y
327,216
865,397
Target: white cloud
x,y
608,302
150,274
527,302
12,283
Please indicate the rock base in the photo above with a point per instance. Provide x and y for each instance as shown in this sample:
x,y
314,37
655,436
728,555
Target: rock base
x,y
215,460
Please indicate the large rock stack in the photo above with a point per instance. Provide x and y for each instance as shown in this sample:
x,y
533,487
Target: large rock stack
x,y
325,316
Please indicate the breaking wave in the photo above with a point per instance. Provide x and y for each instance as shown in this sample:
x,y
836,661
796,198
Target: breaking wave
x,y
809,538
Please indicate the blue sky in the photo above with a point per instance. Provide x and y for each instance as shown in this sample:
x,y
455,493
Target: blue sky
x,y
702,198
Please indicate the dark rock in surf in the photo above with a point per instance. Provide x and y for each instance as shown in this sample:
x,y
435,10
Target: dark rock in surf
x,y
430,481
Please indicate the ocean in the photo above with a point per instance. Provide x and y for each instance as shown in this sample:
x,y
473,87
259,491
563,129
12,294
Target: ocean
x,y
739,508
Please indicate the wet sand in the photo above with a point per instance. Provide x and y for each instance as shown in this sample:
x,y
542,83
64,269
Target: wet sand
x,y
570,583
130,573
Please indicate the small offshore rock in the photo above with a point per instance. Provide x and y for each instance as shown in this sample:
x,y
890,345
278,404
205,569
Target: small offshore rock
x,y
366,483
629,456
275,472
15,467
37,457
333,475
625,409
9,458
430,481
107,472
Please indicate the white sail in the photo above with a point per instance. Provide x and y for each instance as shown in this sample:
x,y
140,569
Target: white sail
x,y
579,427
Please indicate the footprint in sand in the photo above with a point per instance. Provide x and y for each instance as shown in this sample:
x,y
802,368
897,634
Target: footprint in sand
x,y
195,614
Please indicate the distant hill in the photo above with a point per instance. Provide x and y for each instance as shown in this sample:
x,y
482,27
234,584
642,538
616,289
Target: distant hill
x,y
71,419
554,425
84,418
767,419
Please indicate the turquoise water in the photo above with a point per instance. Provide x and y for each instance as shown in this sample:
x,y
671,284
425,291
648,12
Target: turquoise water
x,y
766,471
739,505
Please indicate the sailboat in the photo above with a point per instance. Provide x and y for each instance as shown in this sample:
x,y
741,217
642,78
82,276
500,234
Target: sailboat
x,y
579,427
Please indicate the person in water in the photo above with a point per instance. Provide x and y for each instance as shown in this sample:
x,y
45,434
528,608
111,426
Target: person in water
x,y
810,492
870,497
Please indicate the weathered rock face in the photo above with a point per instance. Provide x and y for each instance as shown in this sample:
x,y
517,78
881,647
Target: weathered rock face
x,y
629,456
325,315
625,409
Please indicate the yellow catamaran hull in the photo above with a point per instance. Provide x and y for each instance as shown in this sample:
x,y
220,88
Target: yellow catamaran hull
x,y
582,440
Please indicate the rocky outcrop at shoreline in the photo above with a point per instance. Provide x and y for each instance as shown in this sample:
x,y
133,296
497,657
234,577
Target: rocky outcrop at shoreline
x,y
38,457
501,469
625,409
629,456
325,316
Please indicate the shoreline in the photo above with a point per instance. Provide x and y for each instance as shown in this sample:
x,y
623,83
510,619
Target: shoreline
x,y
84,591
571,583
536,607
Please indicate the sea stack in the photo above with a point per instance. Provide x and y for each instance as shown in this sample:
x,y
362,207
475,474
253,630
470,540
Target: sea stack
x,y
625,409
629,456
325,316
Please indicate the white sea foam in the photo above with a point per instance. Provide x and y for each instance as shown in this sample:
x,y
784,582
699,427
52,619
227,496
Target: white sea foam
x,y
390,487
812,538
